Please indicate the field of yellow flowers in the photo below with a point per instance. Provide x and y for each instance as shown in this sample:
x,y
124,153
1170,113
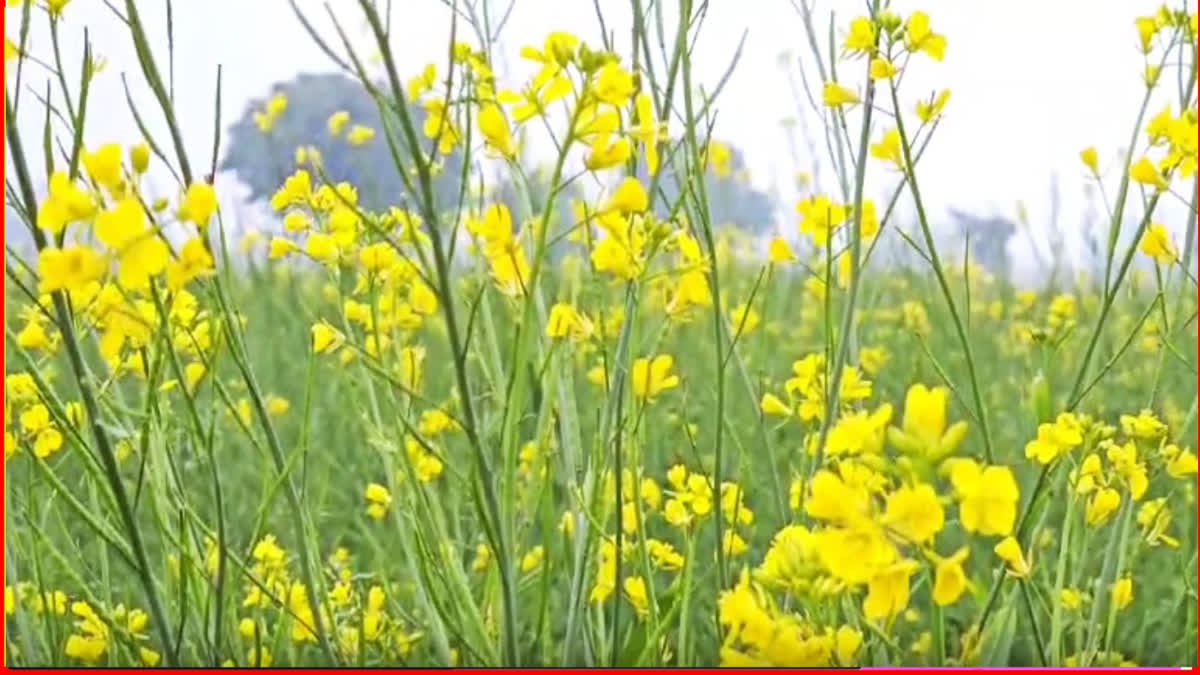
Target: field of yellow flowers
x,y
473,432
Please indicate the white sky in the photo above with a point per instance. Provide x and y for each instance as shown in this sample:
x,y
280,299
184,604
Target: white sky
x,y
1033,81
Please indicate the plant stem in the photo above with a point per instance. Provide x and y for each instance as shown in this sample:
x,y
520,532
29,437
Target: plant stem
x,y
936,263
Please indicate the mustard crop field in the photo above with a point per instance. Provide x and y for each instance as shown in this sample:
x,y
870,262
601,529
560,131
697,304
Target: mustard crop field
x,y
468,404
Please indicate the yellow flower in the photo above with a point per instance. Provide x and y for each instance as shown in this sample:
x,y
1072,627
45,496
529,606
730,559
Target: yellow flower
x,y
882,69
869,227
888,149
1155,517
888,591
1124,459
21,387
635,592
558,50
779,251
279,247
1070,599
1182,465
199,204
149,657
48,442
919,37
861,37
194,262
924,431
1122,593
664,555
1143,171
422,298
247,628
950,581
1145,425
360,135
321,247
676,514
692,290
326,338
1101,506
494,127
914,513
548,86
426,465
104,166
928,111
651,377
987,497
139,157
87,649
90,642
1156,243
772,405
607,152
847,641
835,95
70,269
872,359
533,559
629,197
648,131
124,230
377,257
422,83
1090,159
613,84
718,156
259,658
855,554
378,500
1055,439
833,500
1147,28
744,319
277,405
1009,550
65,204
925,412
440,126
819,217
337,122
483,558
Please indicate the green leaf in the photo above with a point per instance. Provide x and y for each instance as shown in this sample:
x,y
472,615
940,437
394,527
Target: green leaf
x,y
997,640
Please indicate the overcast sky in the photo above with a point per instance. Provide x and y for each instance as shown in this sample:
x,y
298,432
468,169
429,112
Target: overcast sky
x,y
1033,81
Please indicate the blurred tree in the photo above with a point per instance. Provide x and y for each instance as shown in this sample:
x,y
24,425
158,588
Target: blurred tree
x,y
262,159
18,239
989,239
733,199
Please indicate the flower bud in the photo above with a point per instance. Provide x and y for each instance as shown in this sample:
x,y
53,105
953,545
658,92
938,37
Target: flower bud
x,y
139,156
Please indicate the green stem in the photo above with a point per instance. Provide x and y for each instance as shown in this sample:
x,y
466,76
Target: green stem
x,y
1037,632
503,547
700,202
66,327
832,395
684,618
935,261
939,628
1060,574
